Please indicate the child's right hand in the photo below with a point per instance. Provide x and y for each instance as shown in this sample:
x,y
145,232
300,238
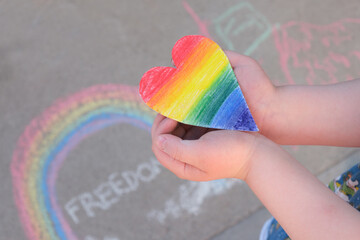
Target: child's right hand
x,y
296,114
259,92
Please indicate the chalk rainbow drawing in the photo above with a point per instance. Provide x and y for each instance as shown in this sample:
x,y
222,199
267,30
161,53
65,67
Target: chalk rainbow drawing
x,y
46,141
201,91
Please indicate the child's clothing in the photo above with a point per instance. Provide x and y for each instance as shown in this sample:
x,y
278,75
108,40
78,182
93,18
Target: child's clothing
x,y
345,186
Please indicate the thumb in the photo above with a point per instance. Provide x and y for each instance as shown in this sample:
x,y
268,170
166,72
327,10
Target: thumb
x,y
181,150
249,73
178,156
257,88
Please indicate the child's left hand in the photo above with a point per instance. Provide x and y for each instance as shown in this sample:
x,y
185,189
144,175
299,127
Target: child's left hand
x,y
201,154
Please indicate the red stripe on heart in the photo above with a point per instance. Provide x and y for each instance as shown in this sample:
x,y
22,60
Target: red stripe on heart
x,y
156,78
183,48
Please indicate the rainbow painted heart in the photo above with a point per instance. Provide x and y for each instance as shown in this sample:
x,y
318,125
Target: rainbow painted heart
x,y
202,90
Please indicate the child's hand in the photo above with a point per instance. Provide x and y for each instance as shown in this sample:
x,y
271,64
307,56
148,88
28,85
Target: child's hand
x,y
258,90
200,154
299,115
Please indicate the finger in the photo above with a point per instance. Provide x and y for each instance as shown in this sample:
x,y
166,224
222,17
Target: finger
x,y
237,59
156,122
248,72
244,66
180,169
187,151
166,126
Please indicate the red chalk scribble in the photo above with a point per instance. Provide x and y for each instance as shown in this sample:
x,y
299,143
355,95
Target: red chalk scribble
x,y
319,54
202,25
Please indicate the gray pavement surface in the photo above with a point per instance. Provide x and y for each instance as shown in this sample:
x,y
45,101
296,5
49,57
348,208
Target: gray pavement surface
x,y
76,160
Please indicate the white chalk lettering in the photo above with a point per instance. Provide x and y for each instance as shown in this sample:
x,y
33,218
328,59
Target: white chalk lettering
x,y
132,180
116,184
145,172
88,203
189,198
108,193
71,208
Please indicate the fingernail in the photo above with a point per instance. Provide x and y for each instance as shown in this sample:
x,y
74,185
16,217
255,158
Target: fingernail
x,y
161,142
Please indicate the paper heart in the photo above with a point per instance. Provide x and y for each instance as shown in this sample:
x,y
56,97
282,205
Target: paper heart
x,y
202,90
